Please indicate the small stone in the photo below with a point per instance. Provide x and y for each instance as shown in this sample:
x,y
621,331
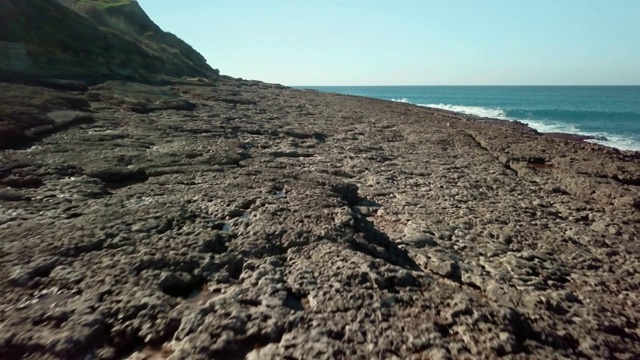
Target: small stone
x,y
421,240
507,343
571,297
439,354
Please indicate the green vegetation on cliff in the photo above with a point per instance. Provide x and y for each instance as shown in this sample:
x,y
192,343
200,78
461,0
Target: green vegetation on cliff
x,y
105,4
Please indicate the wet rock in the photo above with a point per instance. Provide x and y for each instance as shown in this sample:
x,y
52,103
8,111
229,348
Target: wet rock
x,y
420,240
290,154
66,118
83,186
63,84
118,174
25,113
10,195
21,182
164,104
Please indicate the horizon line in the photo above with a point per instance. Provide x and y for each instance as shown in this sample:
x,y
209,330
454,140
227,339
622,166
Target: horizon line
x,y
396,85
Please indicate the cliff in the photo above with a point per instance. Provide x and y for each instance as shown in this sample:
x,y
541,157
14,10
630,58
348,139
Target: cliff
x,y
91,41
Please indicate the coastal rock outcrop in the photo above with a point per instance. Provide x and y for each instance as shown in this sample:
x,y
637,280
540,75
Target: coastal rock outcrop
x,y
297,224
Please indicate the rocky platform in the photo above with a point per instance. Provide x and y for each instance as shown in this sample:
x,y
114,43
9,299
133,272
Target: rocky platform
x,y
242,220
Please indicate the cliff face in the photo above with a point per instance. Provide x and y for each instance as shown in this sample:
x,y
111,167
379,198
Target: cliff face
x,y
91,41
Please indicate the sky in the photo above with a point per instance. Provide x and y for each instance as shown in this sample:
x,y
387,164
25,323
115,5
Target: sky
x,y
412,42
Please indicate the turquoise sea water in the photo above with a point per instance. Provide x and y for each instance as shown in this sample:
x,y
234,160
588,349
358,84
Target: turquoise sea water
x,y
609,112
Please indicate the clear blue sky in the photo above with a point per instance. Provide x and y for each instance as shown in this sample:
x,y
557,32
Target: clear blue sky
x,y
412,42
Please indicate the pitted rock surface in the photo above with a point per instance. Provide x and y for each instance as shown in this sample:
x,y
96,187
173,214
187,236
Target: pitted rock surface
x,y
243,220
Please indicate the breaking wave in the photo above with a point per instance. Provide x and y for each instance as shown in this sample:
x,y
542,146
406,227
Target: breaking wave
x,y
542,120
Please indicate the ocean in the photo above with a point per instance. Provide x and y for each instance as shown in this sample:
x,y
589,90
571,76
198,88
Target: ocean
x,y
610,113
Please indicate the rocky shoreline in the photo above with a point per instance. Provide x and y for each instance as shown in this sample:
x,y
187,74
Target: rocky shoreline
x,y
231,219
574,137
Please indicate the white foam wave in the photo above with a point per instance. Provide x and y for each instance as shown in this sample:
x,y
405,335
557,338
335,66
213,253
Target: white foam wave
x,y
547,126
551,126
496,113
618,142
612,140
403,100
